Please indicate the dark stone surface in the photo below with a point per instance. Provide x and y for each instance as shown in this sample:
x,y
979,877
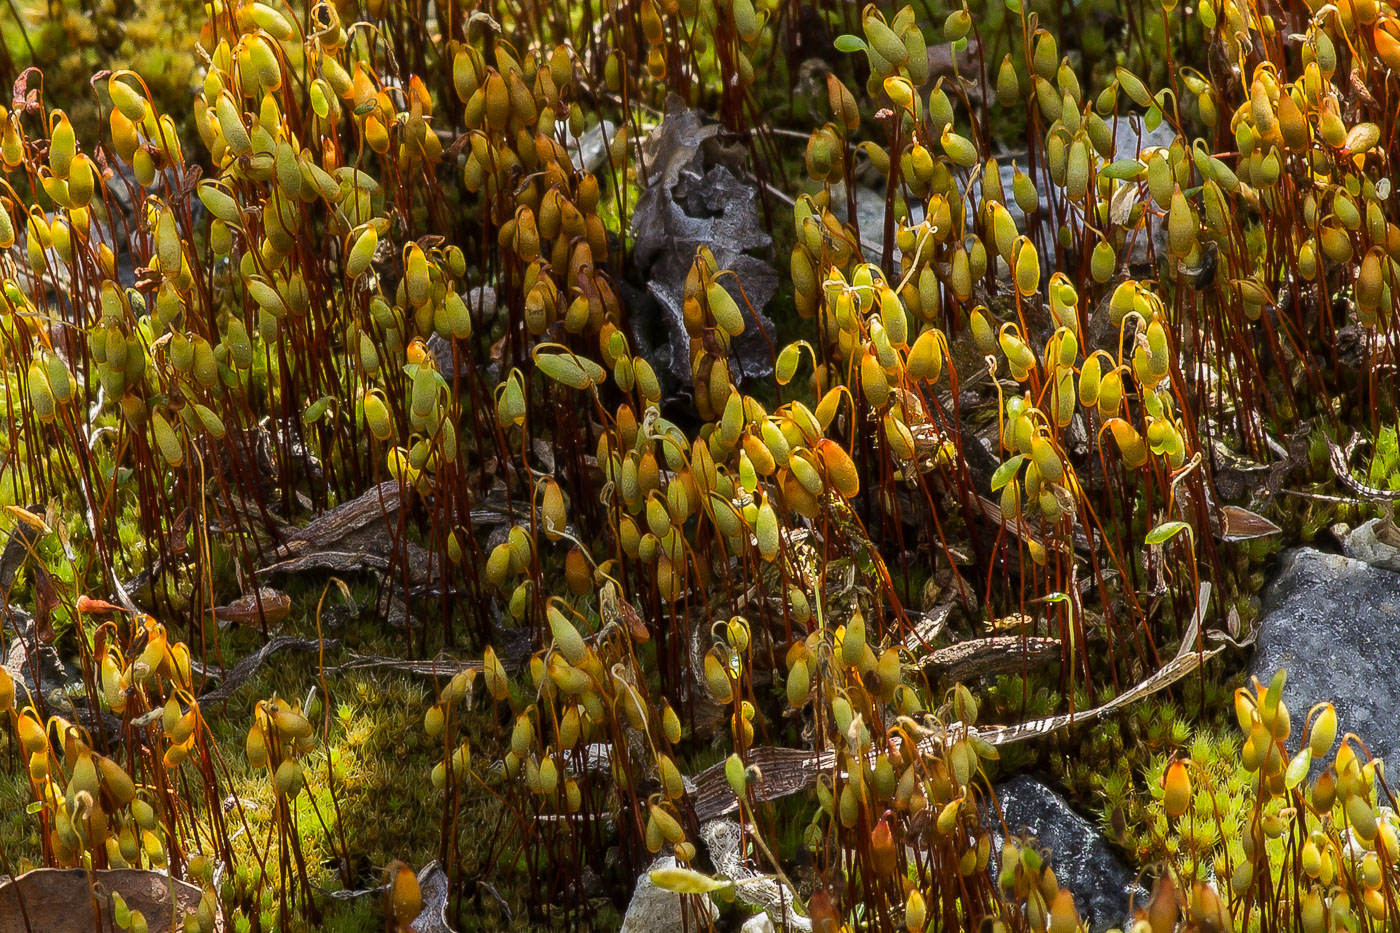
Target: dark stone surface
x,y
23,653
1081,857
695,199
1334,623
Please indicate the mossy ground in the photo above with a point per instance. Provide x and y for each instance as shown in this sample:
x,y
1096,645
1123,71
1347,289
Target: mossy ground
x,y
368,780
370,798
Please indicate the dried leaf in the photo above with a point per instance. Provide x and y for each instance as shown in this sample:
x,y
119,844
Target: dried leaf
x,y
1237,524
1121,205
695,197
45,602
56,900
253,609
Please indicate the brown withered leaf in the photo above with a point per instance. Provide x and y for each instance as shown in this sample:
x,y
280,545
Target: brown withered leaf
x,y
253,609
368,516
25,98
87,605
1237,524
999,654
189,180
146,278
45,602
361,534
58,900
334,561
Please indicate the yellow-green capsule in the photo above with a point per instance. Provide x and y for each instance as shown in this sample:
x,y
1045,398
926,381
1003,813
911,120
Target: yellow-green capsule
x,y
566,637
1008,88
915,911
210,421
957,25
231,126
899,437
883,40
853,643
766,531
1047,459
724,309
63,144
1089,375
1018,354
1004,230
268,299
126,99
1103,262
717,679
1110,393
1181,224
41,399
81,180
1323,732
416,280
424,391
1134,86
1045,59
873,382
218,202
775,441
167,441
645,379
848,806
670,777
1157,340
458,316
60,382
982,334
1027,267
289,779
799,685
361,252
925,358
958,148
1024,191
1130,442
168,243
893,318
271,22
377,417
239,345
1068,348
1077,170
1064,397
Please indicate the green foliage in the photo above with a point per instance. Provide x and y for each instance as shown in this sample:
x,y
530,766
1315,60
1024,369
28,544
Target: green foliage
x,y
274,317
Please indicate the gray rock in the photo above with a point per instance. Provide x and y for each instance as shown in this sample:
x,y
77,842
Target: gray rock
x,y
1101,884
1334,623
1130,138
481,301
870,217
653,909
591,148
1371,544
